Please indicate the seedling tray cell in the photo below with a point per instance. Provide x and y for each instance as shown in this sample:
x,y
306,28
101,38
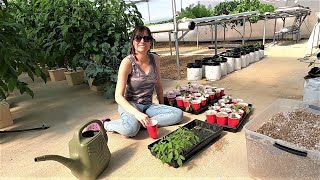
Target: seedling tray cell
x,y
240,124
210,133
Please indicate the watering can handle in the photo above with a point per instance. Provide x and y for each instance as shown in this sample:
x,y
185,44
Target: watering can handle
x,y
85,124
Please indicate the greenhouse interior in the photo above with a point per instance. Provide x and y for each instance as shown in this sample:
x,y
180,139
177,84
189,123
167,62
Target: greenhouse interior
x,y
160,89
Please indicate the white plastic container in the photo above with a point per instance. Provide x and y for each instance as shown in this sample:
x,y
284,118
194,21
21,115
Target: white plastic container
x,y
194,74
256,56
270,158
213,73
230,64
261,53
251,59
243,61
237,63
224,69
248,59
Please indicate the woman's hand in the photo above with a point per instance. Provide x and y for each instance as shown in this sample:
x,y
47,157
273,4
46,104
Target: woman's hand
x,y
142,118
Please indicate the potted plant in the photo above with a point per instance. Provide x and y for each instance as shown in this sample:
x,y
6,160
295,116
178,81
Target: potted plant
x,y
18,56
211,115
5,115
222,118
233,119
171,147
179,101
195,104
260,47
237,110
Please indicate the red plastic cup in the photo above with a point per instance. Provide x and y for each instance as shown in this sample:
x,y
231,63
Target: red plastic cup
x,y
195,104
179,101
233,122
152,128
221,91
222,118
203,102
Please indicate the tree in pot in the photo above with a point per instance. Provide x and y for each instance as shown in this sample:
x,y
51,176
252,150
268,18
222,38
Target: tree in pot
x,y
16,58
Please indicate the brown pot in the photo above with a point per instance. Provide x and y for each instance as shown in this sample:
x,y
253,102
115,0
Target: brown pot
x,y
74,77
45,71
5,115
57,74
93,87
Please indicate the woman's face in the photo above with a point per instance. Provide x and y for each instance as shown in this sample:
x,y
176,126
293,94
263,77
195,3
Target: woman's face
x,y
142,42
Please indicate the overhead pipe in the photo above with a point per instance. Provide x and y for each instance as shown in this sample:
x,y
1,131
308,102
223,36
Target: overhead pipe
x,y
169,27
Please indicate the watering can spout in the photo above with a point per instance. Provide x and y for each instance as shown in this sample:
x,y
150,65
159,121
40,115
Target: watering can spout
x,y
70,163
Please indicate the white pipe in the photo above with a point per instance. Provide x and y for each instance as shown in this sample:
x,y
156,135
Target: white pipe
x,y
169,27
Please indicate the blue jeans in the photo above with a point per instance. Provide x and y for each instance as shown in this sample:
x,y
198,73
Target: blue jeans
x,y
129,126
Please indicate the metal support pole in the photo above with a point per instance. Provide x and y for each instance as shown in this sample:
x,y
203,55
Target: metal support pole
x,y
170,44
264,30
216,38
224,32
176,36
274,30
244,30
148,10
211,33
198,37
283,25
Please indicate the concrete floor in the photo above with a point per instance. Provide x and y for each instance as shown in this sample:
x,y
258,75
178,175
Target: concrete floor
x,y
64,108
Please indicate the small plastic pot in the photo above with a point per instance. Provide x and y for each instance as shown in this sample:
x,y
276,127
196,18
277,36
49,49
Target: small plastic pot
x,y
203,101
233,119
186,102
195,104
179,101
222,118
212,95
211,116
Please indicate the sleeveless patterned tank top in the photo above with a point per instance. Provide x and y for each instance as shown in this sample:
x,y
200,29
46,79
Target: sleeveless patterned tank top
x,y
140,86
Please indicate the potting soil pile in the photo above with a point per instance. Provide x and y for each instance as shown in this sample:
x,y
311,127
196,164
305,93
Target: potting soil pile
x,y
299,127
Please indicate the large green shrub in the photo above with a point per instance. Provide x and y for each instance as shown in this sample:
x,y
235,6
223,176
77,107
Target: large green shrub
x,y
93,34
17,54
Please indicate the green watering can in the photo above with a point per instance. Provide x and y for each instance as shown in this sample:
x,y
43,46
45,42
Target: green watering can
x,y
89,153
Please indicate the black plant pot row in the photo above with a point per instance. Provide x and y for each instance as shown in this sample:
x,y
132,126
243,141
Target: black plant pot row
x,y
217,59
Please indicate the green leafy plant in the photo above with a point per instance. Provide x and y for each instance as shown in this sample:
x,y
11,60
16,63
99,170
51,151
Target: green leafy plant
x,y
17,54
72,33
171,147
196,11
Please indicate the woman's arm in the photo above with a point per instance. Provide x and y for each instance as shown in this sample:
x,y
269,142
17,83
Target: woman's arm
x,y
124,71
159,88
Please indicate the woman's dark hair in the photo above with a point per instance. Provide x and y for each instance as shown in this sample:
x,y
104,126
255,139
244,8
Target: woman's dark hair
x,y
138,30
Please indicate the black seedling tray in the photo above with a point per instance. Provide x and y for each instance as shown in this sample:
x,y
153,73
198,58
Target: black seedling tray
x,y
237,128
201,110
213,131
